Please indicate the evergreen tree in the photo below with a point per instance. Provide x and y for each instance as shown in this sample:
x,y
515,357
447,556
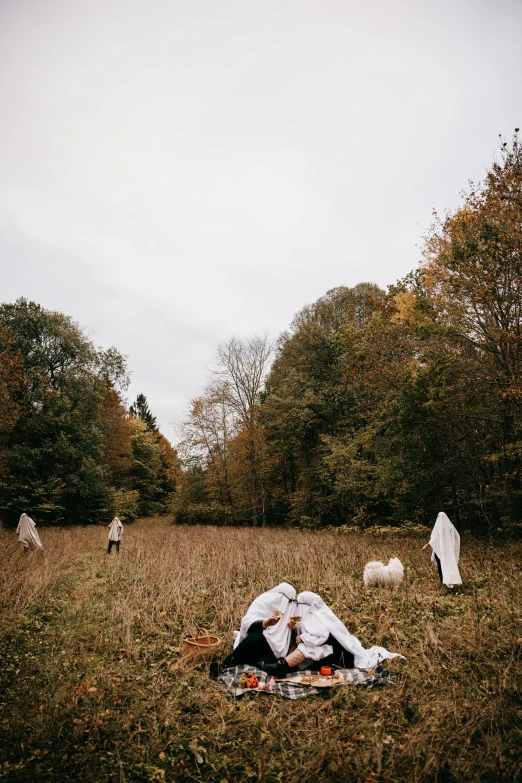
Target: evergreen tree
x,y
140,409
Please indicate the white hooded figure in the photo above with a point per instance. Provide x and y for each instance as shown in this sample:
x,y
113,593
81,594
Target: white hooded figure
x,y
376,573
279,599
115,534
27,534
312,631
317,615
445,543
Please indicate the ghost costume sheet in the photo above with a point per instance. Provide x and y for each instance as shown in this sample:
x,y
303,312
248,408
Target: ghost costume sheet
x,y
115,530
280,599
314,636
27,534
445,542
316,615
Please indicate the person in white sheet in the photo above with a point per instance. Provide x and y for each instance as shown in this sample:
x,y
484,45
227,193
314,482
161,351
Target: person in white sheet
x,y
445,543
265,635
310,642
313,636
27,534
115,534
318,621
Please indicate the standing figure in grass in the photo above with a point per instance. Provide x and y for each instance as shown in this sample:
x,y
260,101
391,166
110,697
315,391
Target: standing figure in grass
x,y
27,534
445,542
115,534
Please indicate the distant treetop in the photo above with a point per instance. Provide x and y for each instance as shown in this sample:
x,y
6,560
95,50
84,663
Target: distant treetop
x,y
141,410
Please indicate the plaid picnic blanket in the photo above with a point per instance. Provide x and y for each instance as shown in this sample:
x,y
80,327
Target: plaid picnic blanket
x,y
228,681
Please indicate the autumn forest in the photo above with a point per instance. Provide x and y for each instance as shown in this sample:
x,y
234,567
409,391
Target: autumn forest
x,y
374,408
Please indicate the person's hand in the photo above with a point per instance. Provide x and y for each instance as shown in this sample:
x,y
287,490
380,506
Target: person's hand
x,y
292,625
425,546
271,621
298,640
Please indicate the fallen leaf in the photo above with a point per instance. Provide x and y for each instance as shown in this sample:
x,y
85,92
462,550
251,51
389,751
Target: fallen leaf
x,y
83,688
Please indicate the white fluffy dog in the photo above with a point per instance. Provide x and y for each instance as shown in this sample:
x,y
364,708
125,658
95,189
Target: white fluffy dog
x,y
376,573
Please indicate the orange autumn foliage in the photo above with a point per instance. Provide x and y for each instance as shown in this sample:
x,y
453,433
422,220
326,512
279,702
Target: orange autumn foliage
x,y
11,383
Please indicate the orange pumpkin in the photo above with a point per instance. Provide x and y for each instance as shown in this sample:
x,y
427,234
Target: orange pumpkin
x,y
252,681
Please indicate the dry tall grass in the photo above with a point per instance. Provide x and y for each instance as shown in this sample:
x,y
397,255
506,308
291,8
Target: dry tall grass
x,y
92,689
26,578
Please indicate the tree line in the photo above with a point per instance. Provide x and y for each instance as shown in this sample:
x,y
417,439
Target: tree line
x,y
374,407
70,450
379,406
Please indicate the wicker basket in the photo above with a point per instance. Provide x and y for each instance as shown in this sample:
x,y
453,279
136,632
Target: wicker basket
x,y
201,645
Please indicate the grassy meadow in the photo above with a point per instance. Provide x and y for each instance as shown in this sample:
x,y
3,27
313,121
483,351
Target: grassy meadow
x,y
92,688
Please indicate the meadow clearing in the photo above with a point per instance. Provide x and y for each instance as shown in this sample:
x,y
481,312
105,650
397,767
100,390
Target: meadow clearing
x,y
92,688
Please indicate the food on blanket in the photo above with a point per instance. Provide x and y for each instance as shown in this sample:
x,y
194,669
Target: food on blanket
x,y
263,688
296,619
277,613
326,671
248,680
306,679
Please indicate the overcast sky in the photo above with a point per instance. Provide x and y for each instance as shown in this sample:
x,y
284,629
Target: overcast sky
x,y
174,173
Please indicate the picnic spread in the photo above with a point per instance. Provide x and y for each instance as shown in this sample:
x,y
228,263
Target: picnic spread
x,y
300,685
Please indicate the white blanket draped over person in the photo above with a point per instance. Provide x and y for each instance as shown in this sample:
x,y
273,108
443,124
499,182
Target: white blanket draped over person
x,y
318,616
27,534
115,530
312,632
280,599
445,543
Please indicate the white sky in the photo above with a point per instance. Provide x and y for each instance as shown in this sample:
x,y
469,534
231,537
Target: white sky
x,y
174,173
